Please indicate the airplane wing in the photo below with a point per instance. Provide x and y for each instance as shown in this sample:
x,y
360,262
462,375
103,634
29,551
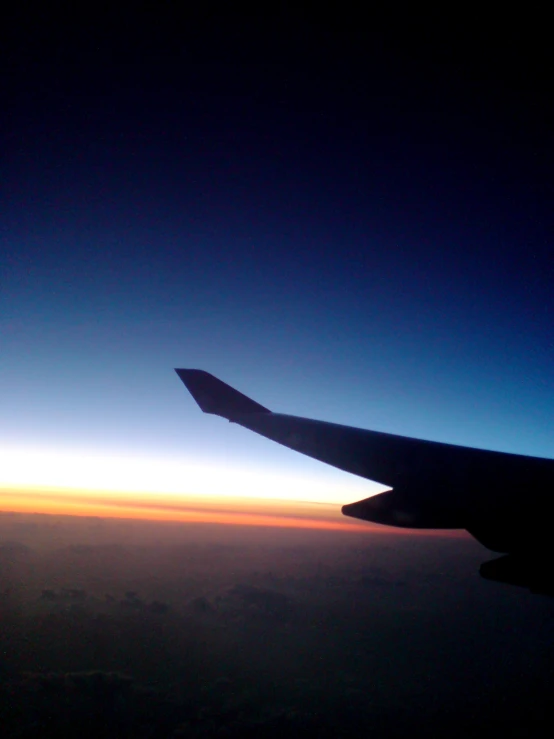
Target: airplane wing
x,y
501,499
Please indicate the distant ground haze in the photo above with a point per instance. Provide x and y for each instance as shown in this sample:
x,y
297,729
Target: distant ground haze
x,y
169,629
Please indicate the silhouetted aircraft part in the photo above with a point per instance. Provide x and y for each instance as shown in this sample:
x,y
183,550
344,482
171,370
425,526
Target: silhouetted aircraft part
x,y
394,509
214,396
534,572
503,500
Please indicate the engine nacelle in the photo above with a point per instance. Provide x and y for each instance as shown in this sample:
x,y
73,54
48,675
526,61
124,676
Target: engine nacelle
x,y
532,571
393,509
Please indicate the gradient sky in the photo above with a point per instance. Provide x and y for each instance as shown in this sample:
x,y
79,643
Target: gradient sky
x,y
344,226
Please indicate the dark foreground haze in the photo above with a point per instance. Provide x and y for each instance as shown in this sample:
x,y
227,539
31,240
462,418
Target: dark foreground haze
x,y
137,629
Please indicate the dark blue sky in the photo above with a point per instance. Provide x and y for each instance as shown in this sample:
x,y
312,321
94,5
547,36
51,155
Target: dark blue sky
x,y
345,224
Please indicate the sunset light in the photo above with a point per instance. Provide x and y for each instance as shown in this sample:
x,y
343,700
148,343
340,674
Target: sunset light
x,y
32,468
41,480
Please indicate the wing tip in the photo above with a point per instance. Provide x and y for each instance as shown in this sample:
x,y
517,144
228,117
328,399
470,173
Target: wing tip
x,y
215,396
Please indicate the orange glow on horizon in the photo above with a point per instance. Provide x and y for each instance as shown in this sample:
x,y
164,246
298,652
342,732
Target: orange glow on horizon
x,y
195,510
220,510
139,474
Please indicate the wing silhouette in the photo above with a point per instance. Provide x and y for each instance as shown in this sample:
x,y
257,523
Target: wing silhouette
x,y
503,500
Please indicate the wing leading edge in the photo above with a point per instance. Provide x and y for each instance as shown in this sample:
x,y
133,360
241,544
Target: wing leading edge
x,y
499,498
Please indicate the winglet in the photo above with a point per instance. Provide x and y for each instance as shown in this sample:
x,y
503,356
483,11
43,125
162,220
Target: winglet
x,y
215,396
